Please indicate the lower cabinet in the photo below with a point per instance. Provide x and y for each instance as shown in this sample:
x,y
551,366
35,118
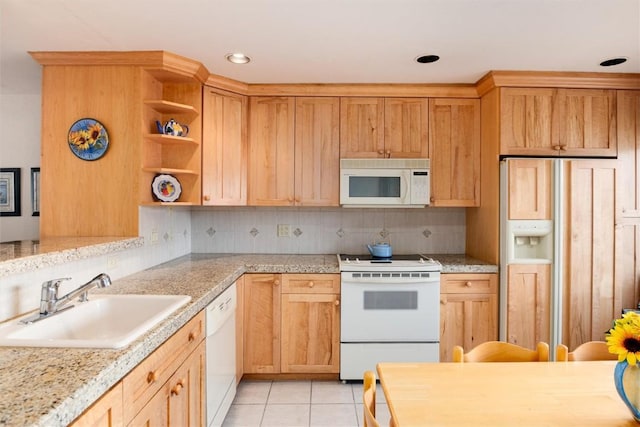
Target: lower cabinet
x,y
291,323
165,389
180,401
468,311
106,412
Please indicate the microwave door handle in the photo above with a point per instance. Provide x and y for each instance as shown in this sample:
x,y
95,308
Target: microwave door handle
x,y
404,183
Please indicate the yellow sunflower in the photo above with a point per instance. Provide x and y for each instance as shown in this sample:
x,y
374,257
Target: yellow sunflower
x,y
94,133
624,338
80,139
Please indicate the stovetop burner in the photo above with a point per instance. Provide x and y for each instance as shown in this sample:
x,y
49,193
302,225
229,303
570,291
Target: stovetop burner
x,y
410,262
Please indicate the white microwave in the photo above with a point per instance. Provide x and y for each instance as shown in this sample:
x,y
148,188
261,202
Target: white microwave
x,y
384,182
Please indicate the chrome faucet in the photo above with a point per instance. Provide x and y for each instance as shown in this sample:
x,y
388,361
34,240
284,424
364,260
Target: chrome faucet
x,y
50,304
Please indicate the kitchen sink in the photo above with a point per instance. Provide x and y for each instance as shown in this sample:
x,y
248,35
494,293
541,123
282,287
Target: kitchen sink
x,y
105,321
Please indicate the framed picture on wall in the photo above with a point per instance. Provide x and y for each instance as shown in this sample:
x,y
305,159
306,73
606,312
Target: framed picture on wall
x,y
9,191
35,191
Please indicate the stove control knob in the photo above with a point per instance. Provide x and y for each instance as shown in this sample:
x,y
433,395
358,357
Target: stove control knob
x,y
421,260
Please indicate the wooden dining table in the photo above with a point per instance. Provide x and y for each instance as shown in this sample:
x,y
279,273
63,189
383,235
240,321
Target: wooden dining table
x,y
503,394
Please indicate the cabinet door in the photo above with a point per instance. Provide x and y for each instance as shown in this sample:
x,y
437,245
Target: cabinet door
x,y
528,304
106,412
526,117
262,323
180,402
224,148
186,391
454,147
468,311
271,151
406,127
587,122
361,127
529,187
591,298
317,152
310,333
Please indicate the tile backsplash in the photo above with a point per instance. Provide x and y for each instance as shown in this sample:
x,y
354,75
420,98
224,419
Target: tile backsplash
x,y
326,230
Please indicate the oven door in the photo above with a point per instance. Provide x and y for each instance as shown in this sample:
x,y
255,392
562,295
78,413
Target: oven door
x,y
390,307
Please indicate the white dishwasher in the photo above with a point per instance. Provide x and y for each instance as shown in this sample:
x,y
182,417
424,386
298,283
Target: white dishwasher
x,y
221,355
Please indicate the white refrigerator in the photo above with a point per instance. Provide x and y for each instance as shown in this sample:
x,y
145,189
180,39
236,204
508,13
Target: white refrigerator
x,y
557,250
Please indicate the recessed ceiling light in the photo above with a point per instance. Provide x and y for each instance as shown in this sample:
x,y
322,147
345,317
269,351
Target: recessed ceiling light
x,y
238,58
613,61
425,59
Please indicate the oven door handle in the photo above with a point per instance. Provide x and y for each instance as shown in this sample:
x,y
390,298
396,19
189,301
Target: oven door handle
x,y
389,281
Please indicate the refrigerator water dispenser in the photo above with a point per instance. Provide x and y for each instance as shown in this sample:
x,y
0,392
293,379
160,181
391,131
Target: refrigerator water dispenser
x,y
529,241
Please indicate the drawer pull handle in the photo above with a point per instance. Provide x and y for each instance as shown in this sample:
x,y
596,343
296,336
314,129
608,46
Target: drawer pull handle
x,y
468,284
311,284
276,282
337,302
177,388
192,336
152,376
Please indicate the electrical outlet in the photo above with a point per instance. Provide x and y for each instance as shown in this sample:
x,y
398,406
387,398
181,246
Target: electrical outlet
x,y
284,230
154,236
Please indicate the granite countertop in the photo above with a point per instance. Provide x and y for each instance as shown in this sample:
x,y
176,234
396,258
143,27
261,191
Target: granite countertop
x,y
52,386
28,255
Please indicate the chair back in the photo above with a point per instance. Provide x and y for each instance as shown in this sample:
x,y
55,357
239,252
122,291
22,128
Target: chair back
x,y
369,399
591,350
499,351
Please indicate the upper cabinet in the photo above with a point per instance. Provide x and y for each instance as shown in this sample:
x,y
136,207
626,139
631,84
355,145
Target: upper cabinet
x,y
224,148
293,151
127,92
558,122
454,147
384,127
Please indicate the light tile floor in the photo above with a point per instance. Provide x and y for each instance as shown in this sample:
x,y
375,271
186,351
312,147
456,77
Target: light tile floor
x,y
301,404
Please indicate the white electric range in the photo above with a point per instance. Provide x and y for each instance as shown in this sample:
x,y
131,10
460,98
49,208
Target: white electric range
x,y
390,311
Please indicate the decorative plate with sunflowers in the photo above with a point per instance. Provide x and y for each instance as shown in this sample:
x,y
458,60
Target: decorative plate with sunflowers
x,y
88,139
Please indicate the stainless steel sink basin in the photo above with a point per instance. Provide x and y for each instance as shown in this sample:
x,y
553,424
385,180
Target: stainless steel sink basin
x,y
105,321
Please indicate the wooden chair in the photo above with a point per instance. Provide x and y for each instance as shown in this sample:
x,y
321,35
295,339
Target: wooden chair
x,y
591,350
499,351
369,399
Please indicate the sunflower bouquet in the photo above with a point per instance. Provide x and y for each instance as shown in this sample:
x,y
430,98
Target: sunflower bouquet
x,y
624,338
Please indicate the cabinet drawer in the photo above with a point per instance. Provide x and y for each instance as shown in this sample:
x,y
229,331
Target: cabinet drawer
x,y
469,283
311,283
147,378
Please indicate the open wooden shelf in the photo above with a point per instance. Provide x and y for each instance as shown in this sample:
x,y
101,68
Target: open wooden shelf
x,y
168,107
171,171
169,139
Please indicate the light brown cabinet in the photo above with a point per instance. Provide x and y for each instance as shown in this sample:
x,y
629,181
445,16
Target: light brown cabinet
x,y
528,304
529,189
261,322
310,323
293,156
454,147
224,148
468,311
127,92
384,127
592,296
558,122
291,323
170,377
106,412
165,389
239,329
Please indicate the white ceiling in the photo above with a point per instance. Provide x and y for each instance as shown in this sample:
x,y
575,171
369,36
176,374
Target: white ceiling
x,y
332,41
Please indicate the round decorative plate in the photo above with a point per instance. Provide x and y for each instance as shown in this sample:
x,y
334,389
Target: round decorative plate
x,y
88,139
166,188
